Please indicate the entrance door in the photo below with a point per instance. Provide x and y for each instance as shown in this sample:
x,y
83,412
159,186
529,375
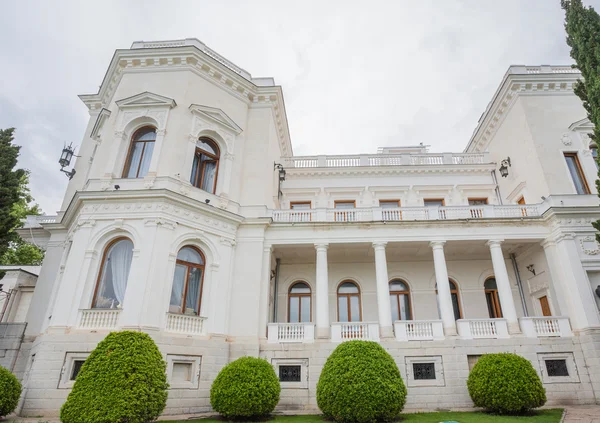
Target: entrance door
x,y
545,306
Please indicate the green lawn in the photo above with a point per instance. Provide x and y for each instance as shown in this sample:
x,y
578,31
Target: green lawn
x,y
542,416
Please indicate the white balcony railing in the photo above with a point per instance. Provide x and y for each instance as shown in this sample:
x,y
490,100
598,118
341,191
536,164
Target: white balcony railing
x,y
378,214
290,332
347,331
184,324
418,330
409,159
98,319
482,328
541,327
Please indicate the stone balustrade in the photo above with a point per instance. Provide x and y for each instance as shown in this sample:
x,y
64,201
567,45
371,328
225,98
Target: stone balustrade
x,y
482,328
290,333
542,327
184,324
347,331
98,319
418,330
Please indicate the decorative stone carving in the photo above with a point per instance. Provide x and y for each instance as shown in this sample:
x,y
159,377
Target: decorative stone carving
x,y
589,245
566,140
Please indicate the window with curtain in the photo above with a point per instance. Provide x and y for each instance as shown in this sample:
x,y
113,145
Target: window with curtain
x,y
349,302
299,310
186,293
492,299
576,172
114,272
140,153
455,299
594,150
400,300
206,165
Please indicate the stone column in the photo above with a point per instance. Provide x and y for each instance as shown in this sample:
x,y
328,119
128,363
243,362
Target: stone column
x,y
443,287
574,293
507,302
322,292
383,291
265,283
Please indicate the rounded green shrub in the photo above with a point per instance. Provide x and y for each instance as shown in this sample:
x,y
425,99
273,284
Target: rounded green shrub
x,y
122,381
360,382
505,384
245,388
10,391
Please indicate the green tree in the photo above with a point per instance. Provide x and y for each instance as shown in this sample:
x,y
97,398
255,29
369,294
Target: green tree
x,y
583,36
16,202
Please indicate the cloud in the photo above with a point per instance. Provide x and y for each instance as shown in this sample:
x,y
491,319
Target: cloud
x,y
356,74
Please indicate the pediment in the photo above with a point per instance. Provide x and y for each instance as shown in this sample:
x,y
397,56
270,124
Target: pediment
x,y
146,99
582,125
217,116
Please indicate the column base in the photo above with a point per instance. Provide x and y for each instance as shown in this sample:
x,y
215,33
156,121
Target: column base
x,y
514,328
450,331
323,333
386,332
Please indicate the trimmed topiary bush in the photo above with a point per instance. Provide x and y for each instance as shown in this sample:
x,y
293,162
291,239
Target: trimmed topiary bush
x,y
123,380
505,384
245,388
360,382
10,391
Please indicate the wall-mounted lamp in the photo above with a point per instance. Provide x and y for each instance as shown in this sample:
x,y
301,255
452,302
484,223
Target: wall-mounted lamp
x,y
504,165
281,176
65,160
531,269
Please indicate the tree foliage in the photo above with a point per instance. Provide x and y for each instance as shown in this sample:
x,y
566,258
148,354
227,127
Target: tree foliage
x,y
10,390
583,36
16,203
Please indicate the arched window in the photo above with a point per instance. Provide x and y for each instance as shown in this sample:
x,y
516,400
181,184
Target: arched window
x,y
206,165
186,294
400,300
491,296
348,302
114,271
140,153
299,310
455,299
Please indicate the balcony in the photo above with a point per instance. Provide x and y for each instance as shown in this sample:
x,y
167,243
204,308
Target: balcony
x,y
544,327
348,331
409,159
418,330
98,319
378,214
184,324
482,328
290,333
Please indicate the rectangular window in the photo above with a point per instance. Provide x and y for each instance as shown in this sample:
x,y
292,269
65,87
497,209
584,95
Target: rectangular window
x,y
432,202
345,212
344,205
478,201
557,368
290,373
576,172
389,204
424,371
300,205
76,368
182,372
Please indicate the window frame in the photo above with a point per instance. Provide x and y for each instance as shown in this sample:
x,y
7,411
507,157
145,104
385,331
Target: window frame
x,y
107,248
397,295
216,158
128,158
579,170
299,296
495,299
336,202
478,199
399,203
443,200
348,296
298,203
454,291
190,265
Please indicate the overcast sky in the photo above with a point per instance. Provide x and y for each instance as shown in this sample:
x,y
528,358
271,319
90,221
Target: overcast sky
x,y
356,75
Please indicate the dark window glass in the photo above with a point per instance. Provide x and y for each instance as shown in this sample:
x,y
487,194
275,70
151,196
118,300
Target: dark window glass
x,y
76,368
557,367
290,373
424,371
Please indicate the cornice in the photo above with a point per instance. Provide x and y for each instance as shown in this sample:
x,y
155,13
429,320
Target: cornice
x,y
299,173
531,83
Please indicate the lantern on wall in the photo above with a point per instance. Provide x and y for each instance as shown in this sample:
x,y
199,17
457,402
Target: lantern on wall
x,y
504,165
278,166
65,160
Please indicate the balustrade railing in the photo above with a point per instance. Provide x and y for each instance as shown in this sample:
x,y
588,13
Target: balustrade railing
x,y
541,327
409,159
98,319
418,330
482,328
347,331
184,324
290,332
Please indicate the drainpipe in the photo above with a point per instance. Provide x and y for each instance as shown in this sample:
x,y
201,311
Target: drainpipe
x,y
519,283
497,189
276,282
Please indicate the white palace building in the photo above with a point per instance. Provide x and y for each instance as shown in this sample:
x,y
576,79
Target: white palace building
x,y
189,218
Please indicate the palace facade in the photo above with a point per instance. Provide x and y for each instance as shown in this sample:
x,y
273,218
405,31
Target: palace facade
x,y
190,218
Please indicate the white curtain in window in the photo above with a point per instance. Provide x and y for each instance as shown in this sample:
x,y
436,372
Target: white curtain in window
x,y
146,158
193,294
178,283
136,155
120,263
210,170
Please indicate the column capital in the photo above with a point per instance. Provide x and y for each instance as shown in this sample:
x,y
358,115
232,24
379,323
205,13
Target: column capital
x,y
436,245
267,248
379,245
494,243
321,246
